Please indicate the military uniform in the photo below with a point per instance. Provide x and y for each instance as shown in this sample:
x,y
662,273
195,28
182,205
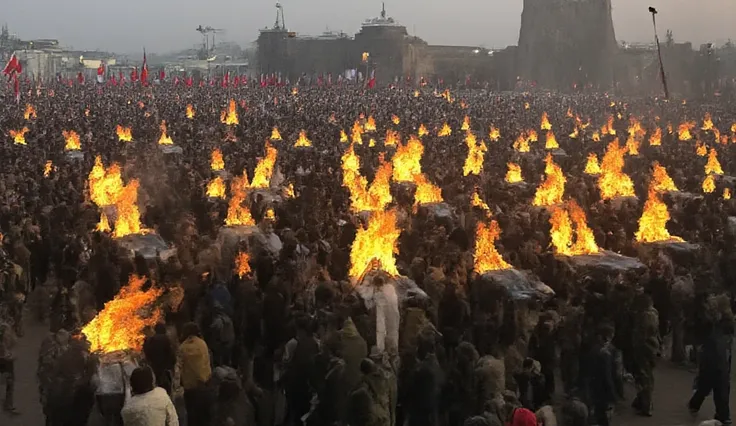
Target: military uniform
x,y
645,337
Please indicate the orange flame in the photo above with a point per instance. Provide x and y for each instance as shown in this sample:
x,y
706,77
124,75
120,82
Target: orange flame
x,y
375,245
656,138
494,134
264,168
707,122
275,135
444,131
164,139
370,124
129,217
392,138
476,151
343,136
551,141
242,264
713,165
19,136
476,201
613,182
551,190
216,162
407,160
661,181
105,186
575,133
700,149
562,232
125,134
355,136
466,124
72,140
487,258
632,146
521,143
592,167
303,141
569,113
513,174
216,188
190,112
726,194
545,125
120,325
596,136
653,221
607,128
30,112
683,130
709,184
104,224
426,191
422,131
362,198
47,168
237,213
230,115
395,119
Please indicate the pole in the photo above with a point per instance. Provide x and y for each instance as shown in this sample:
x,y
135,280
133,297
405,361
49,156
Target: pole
x,y
662,75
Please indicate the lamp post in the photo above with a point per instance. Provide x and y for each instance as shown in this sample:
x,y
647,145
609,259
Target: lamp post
x,y
662,75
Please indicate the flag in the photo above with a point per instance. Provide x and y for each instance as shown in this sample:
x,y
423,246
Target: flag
x,y
144,70
113,80
320,80
120,76
226,79
189,81
329,79
263,80
80,77
176,81
101,73
12,67
372,81
134,75
236,81
162,74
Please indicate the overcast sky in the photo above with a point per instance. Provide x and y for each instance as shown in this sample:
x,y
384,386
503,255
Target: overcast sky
x,y
165,25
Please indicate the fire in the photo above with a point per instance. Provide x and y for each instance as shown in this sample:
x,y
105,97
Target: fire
x,y
567,223
709,184
237,213
343,136
105,186
216,188
713,165
575,133
526,105
426,192
513,173
406,160
545,125
375,246
607,128
129,217
230,116
370,125
466,124
121,324
242,264
592,167
632,146
596,136
476,151
700,149
104,224
164,139
494,134
476,201
653,221
392,138
356,135
47,168
635,129
395,119
125,134
363,198
30,112
264,168
19,136
422,131
551,141
613,182
552,189
683,130
72,140
726,194
275,135
661,181
569,112
270,215
532,136
416,93
707,122
656,138
486,256
190,112
448,97
289,191
444,131
521,143
216,162
303,141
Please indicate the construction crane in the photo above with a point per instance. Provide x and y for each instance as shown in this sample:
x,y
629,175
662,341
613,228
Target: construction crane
x,y
206,31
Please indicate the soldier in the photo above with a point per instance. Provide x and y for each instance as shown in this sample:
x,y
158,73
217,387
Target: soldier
x,y
645,335
7,362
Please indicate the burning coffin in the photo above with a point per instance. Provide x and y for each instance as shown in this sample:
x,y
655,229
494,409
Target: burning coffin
x,y
681,252
74,155
171,149
519,285
149,246
605,262
230,237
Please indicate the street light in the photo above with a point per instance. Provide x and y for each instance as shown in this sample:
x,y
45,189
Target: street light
x,y
662,75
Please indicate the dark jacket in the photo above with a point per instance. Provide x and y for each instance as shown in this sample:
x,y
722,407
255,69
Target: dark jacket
x,y
159,353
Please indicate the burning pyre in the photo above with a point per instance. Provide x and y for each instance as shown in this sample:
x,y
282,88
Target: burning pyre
x,y
216,161
72,140
653,221
125,134
19,136
29,112
392,138
237,213
275,135
551,141
129,218
661,181
407,160
264,168
494,134
613,182
190,112
216,188
713,166
486,256
545,124
242,264
591,166
374,246
303,141
362,197
683,130
164,139
230,115
552,189
426,192
513,173
562,232
444,131
105,185
476,151
656,138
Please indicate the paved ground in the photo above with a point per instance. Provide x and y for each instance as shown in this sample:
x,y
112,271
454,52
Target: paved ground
x,y
672,390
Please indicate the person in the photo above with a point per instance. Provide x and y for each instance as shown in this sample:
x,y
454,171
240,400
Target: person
x,y
599,375
111,383
7,364
370,403
196,372
426,383
161,357
645,347
148,405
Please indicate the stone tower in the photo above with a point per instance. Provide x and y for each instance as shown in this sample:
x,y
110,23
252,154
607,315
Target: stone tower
x,y
563,43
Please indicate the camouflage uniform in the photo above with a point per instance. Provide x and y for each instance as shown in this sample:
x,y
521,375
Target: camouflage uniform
x,y
645,337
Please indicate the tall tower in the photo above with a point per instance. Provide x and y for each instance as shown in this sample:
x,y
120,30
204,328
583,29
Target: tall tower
x,y
563,43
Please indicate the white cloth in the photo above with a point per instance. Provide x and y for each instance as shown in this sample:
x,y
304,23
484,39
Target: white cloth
x,y
387,319
109,379
149,409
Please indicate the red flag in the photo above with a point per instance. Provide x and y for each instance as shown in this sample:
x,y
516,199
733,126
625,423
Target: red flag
x,y
372,81
162,75
120,76
101,69
201,83
189,81
80,77
226,79
134,75
236,81
144,70
13,66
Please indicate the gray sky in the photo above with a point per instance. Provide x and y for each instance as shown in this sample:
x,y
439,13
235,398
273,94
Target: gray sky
x,y
165,25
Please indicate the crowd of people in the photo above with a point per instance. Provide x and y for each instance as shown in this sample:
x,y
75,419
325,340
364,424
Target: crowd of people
x,y
292,342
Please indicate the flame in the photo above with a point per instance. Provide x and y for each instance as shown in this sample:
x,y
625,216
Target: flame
x,y
532,136
709,184
86,112
216,188
120,325
190,112
545,125
30,112
474,161
406,160
343,136
700,149
270,215
216,162
592,167
422,131
371,143
707,122
416,93
363,198
72,140
661,181
575,133
562,232
370,124
365,56
596,136
355,136
104,224
392,138
476,201
656,138
230,115
275,135
105,186
237,213
653,221
444,131
607,128
487,258
713,165
550,191
303,141
726,194
521,143
47,168
613,182
466,124
264,168
129,217
448,97
551,141
526,105
635,129
19,136
164,139
395,119
569,113
632,146
513,174
683,130
242,264
494,134
125,134
375,245
426,192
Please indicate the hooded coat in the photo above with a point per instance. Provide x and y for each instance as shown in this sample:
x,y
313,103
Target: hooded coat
x,y
151,408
